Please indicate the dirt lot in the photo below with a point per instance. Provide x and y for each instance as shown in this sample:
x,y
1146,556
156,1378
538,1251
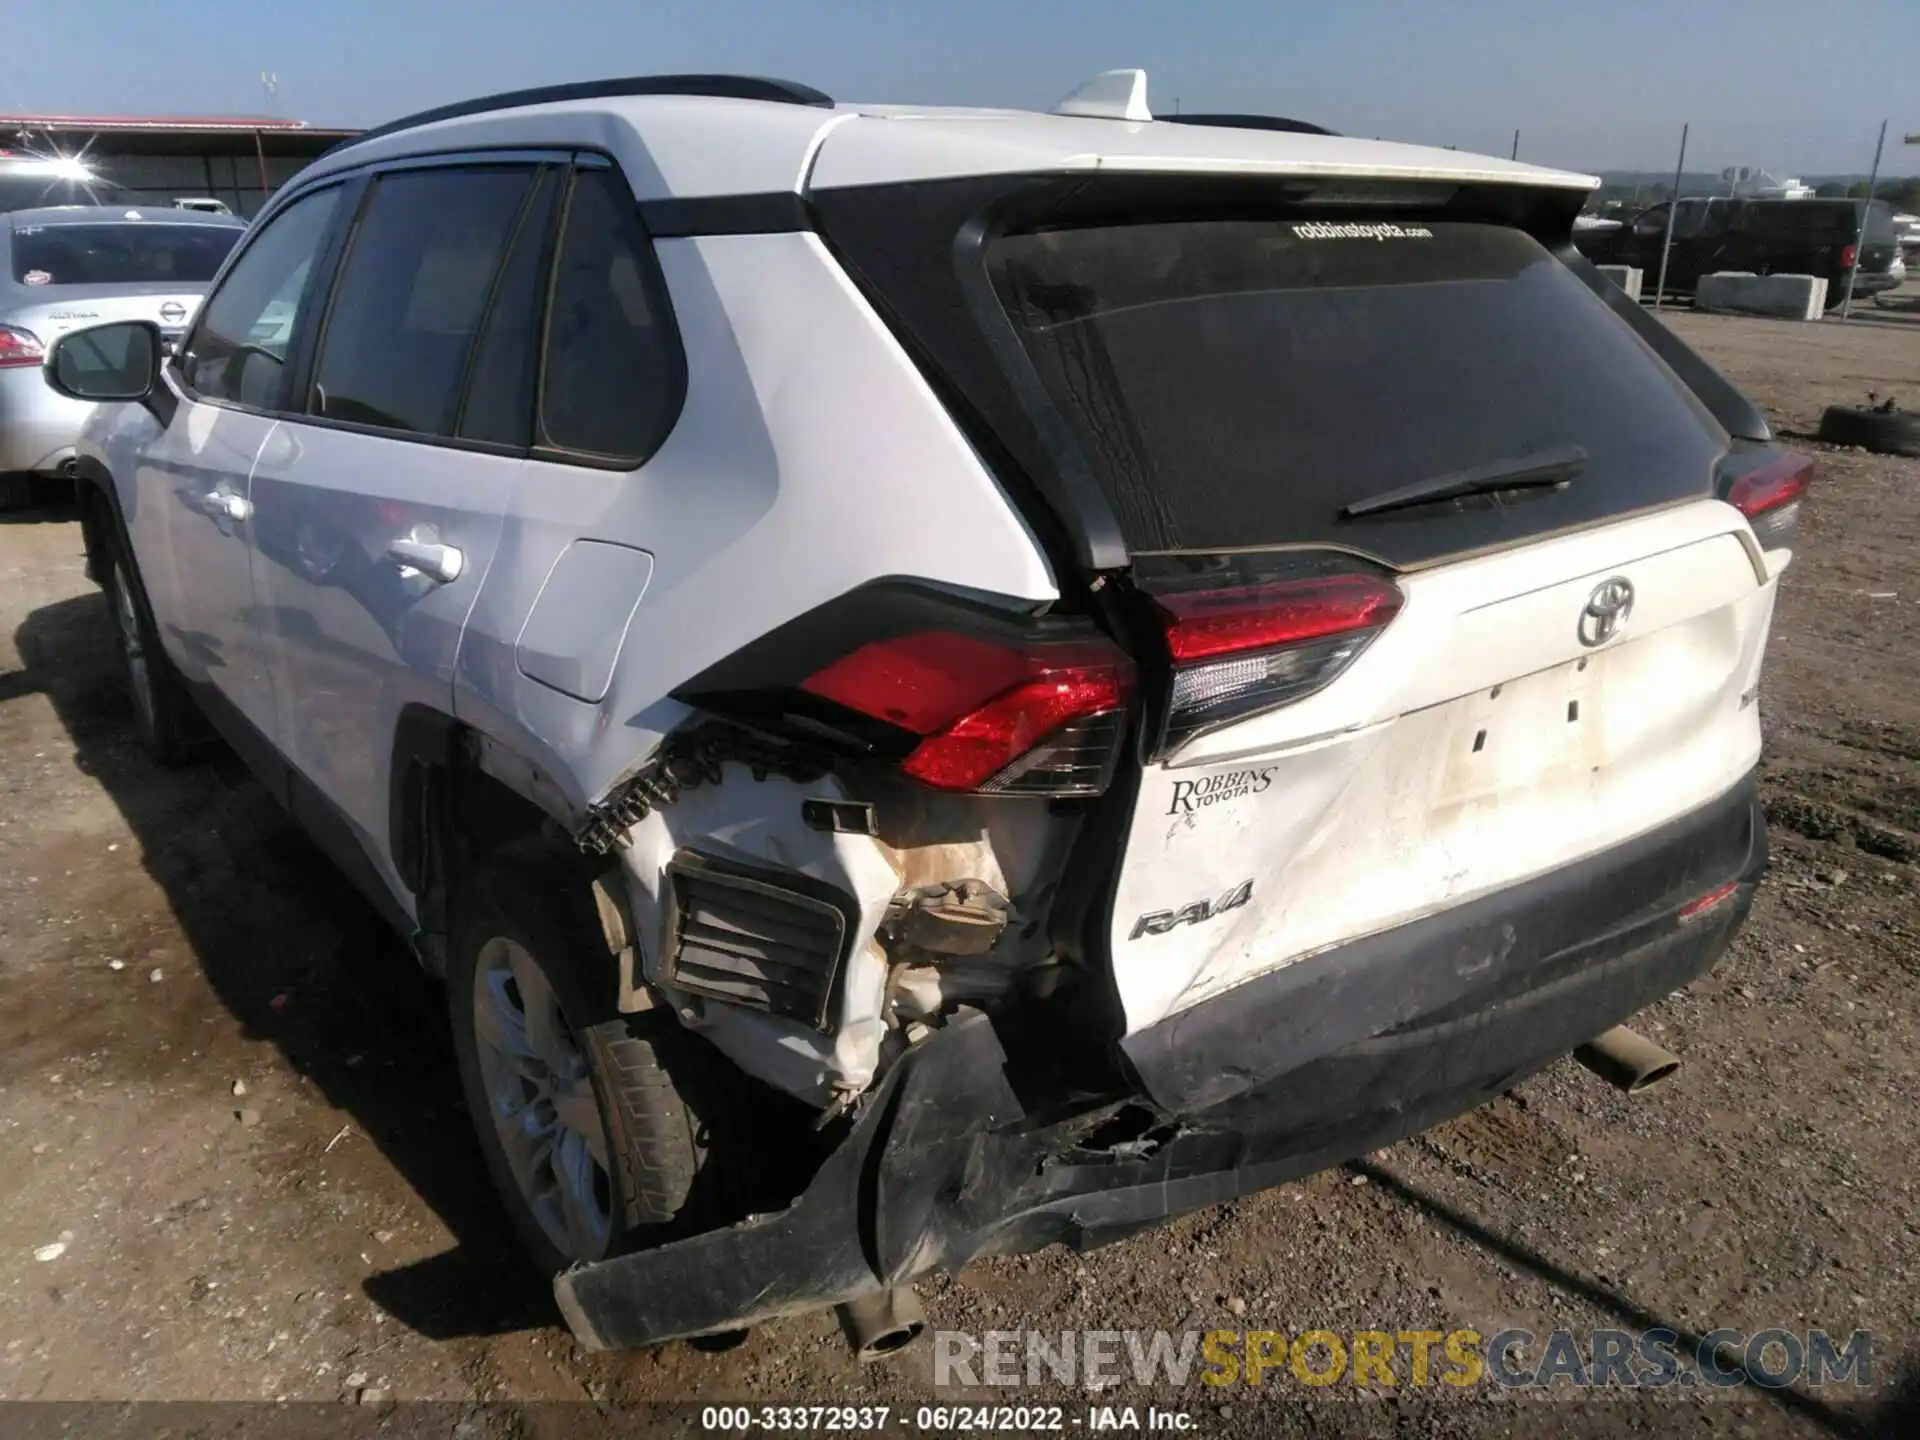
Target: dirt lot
x,y
226,1095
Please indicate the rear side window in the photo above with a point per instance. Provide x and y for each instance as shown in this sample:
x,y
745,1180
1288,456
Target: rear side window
x,y
614,375
411,295
1241,382
1802,219
122,254
239,347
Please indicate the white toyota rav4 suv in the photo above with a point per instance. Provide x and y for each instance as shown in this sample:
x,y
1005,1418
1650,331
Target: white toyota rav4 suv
x,y
940,681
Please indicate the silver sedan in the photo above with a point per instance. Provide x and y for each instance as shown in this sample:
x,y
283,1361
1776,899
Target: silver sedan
x,y
71,266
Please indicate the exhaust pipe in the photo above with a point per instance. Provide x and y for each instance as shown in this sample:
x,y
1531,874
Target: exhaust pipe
x,y
1627,1060
883,1323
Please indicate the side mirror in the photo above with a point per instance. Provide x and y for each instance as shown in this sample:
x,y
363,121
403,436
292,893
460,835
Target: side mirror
x,y
120,361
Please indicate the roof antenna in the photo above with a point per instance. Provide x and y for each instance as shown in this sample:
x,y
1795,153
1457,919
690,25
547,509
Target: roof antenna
x,y
1110,95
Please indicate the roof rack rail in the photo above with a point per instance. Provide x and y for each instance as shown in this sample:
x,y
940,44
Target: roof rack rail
x,y
722,87
1252,122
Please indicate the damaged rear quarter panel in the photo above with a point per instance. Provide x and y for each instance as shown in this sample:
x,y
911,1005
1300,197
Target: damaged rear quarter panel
x,y
759,821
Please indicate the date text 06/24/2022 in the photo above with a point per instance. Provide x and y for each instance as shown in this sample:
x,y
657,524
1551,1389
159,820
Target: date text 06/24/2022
x,y
942,1419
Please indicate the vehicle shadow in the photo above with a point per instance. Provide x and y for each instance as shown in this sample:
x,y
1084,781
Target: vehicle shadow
x,y
1894,1414
301,960
52,504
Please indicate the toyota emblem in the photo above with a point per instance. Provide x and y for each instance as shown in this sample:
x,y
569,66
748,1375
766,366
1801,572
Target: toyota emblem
x,y
173,312
1606,612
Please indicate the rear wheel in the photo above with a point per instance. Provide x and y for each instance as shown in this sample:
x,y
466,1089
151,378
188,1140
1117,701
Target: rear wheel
x,y
596,1127
162,712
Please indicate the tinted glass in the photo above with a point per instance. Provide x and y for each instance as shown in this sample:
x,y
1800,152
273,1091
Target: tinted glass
x,y
411,295
1239,383
1651,222
613,376
1827,221
499,404
237,350
1696,218
147,253
1800,219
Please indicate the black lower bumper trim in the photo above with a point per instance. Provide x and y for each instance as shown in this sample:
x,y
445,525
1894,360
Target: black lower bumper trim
x,y
1409,1028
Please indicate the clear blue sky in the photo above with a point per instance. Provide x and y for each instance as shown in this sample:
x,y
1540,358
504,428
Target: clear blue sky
x,y
1797,87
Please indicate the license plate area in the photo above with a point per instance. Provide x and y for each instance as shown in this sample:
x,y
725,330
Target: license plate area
x,y
1540,729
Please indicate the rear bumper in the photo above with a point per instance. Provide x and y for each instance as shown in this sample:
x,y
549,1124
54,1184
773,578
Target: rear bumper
x,y
1874,282
1306,1067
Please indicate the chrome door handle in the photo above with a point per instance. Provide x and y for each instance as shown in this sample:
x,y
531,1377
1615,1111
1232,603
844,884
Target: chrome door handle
x,y
225,505
439,562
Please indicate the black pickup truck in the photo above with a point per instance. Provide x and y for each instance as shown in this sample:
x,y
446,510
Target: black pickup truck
x,y
1765,237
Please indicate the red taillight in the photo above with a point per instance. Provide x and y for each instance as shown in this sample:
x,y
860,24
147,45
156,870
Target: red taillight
x,y
1769,496
1849,257
1205,623
1773,484
1032,719
19,347
1239,652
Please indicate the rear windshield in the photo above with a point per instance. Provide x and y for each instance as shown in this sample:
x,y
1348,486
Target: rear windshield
x,y
29,192
1236,383
127,253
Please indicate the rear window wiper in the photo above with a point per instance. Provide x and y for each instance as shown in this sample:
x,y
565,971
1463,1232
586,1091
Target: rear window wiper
x,y
1542,469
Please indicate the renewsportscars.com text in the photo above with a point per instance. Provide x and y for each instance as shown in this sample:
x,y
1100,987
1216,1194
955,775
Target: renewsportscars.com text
x,y
1513,1359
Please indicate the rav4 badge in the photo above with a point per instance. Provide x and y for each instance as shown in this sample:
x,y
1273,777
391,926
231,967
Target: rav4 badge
x,y
1158,922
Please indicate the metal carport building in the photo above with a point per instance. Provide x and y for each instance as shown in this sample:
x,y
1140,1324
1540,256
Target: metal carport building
x,y
239,159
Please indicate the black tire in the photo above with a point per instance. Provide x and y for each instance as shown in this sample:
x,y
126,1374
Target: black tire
x,y
657,1088
169,726
1885,432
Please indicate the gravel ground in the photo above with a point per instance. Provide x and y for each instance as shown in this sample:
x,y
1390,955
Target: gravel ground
x,y
234,1166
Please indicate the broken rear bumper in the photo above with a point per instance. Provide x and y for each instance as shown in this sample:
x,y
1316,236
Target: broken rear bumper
x,y
1297,1070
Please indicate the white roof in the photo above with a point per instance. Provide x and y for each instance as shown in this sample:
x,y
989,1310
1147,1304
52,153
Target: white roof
x,y
895,145
692,146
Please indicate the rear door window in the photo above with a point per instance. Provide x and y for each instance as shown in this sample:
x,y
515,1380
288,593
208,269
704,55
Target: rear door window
x,y
614,374
412,293
1241,382
121,254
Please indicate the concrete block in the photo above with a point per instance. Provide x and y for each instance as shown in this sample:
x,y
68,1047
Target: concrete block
x,y
1627,277
1789,297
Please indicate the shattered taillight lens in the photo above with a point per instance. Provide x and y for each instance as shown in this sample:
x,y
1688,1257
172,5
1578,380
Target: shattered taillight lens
x,y
1037,719
1248,634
